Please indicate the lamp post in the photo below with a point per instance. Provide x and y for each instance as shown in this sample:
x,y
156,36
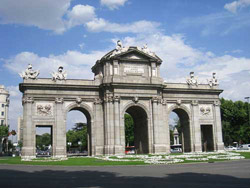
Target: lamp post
x,y
247,98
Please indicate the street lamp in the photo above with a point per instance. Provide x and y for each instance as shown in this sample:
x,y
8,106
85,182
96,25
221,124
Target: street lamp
x,y
247,98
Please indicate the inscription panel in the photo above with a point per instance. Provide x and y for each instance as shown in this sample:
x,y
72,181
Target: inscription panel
x,y
133,69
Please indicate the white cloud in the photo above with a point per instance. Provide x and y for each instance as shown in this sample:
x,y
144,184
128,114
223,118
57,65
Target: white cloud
x,y
56,16
44,14
179,59
113,4
77,64
80,14
143,26
236,5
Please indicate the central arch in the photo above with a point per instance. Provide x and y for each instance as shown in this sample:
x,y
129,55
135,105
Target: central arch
x,y
140,126
85,110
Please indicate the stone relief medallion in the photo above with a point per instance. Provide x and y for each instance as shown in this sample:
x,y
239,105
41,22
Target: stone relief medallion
x,y
205,110
44,109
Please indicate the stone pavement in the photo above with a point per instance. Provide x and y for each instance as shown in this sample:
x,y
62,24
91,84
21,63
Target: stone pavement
x,y
217,175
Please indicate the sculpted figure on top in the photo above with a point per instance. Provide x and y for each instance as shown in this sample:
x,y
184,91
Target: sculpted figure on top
x,y
146,50
119,49
59,75
29,73
213,81
192,81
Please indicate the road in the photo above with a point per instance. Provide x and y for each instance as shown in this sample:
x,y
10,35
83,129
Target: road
x,y
216,175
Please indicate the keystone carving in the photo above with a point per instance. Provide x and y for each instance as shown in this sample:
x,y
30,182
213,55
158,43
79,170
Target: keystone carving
x,y
135,99
178,102
78,101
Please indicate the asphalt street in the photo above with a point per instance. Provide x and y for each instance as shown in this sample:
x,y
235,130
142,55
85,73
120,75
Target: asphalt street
x,y
216,175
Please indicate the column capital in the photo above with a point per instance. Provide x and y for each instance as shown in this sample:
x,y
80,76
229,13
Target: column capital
x,y
59,100
97,101
27,100
195,102
217,103
116,98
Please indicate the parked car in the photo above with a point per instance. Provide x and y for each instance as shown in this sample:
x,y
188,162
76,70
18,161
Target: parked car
x,y
244,147
231,148
130,150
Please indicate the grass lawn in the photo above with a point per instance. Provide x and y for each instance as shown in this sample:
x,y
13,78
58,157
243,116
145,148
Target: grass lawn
x,y
245,154
88,161
91,161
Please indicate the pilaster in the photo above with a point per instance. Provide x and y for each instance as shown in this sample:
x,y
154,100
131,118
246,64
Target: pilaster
x,y
196,128
59,130
29,149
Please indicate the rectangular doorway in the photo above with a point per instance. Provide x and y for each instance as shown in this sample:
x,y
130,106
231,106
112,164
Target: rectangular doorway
x,y
44,141
207,138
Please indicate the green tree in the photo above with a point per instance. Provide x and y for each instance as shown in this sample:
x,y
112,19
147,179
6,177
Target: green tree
x,y
43,141
4,130
129,130
234,116
79,133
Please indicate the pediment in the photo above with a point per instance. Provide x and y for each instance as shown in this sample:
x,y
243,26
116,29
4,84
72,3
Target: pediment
x,y
132,53
135,54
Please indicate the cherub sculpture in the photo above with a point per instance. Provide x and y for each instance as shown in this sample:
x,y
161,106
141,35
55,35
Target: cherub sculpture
x,y
59,75
192,81
213,81
29,73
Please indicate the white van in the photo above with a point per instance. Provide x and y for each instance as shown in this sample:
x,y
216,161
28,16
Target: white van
x,y
245,147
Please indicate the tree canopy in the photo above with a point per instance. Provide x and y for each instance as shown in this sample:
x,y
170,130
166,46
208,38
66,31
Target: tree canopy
x,y
78,134
235,126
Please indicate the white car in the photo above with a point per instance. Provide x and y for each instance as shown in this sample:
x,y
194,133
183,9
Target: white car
x,y
231,148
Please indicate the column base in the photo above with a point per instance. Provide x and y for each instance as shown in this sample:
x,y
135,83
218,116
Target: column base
x,y
197,148
99,150
28,153
161,149
59,152
220,146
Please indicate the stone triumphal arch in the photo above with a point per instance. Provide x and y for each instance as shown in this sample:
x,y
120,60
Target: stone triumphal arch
x,y
126,80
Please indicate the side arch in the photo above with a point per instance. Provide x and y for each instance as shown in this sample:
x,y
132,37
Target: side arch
x,y
81,107
141,126
87,111
185,128
130,104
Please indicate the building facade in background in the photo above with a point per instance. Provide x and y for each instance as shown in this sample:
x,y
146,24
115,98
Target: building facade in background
x,y
4,106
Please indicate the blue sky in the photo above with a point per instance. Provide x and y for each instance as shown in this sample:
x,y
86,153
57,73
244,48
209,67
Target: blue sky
x,y
200,36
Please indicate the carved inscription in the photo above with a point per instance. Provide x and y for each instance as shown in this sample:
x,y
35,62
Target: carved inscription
x,y
44,109
132,69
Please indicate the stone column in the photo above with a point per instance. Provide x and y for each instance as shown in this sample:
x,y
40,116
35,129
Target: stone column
x,y
217,120
59,131
119,150
165,126
29,149
98,131
109,126
159,145
196,127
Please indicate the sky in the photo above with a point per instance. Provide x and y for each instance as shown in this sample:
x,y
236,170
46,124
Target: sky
x,y
200,36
